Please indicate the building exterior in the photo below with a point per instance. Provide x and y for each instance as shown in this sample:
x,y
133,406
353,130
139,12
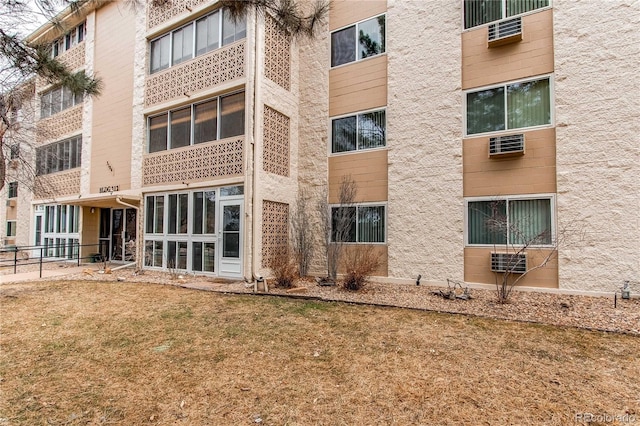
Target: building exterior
x,y
445,114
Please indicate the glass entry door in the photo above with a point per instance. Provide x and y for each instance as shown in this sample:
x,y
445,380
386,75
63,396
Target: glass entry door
x,y
230,238
118,234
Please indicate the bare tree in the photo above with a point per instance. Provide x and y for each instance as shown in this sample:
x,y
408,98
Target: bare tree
x,y
20,63
302,234
526,246
338,223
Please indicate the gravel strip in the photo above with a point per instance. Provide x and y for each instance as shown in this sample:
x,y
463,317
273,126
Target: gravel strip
x,y
594,313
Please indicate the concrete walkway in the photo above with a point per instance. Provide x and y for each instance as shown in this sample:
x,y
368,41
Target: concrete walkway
x,y
35,275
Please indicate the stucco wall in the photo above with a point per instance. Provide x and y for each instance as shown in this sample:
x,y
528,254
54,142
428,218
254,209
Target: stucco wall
x,y
312,136
424,136
597,51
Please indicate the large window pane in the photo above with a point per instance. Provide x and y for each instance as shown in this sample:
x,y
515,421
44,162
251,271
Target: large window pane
x,y
528,104
343,44
196,256
478,12
158,133
530,221
172,213
210,212
198,208
487,222
343,224
182,44
371,37
232,30
343,134
56,101
181,127
208,33
371,130
209,257
150,208
158,226
371,224
157,253
232,115
160,53
485,111
183,205
516,7
206,121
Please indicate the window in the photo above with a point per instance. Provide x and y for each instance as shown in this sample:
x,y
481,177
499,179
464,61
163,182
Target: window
x,y
357,132
154,214
361,224
60,230
69,40
56,100
208,33
59,156
513,221
194,39
13,189
11,228
512,106
204,212
359,41
479,12
189,239
218,118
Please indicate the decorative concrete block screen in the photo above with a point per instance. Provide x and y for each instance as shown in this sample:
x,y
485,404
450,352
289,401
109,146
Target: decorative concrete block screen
x,y
61,124
277,55
57,184
219,66
275,230
276,142
224,158
165,10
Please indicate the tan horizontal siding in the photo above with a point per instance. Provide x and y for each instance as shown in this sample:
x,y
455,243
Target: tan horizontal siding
x,y
379,250
369,170
533,55
346,12
358,86
477,268
531,173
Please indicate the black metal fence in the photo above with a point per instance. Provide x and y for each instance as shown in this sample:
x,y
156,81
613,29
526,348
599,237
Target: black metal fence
x,y
15,256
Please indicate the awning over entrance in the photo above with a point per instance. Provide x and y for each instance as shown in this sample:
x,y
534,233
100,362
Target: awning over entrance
x,y
104,200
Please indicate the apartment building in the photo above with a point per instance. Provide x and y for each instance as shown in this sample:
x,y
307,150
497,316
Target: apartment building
x,y
447,115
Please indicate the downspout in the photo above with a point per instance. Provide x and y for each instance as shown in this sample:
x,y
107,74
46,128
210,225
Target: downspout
x,y
254,184
119,201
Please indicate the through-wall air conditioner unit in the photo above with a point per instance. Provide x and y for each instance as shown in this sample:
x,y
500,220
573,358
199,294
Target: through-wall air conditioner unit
x,y
516,263
504,32
507,144
11,203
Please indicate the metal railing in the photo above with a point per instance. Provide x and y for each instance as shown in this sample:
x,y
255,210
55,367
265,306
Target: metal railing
x,y
52,253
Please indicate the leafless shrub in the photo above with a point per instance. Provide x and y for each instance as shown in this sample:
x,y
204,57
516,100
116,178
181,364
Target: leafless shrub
x,y
283,266
338,222
360,262
302,234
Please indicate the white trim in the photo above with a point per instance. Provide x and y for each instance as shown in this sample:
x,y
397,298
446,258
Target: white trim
x,y
365,204
355,24
356,114
544,196
504,85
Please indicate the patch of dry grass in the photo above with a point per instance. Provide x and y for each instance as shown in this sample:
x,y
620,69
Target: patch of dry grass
x,y
121,353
